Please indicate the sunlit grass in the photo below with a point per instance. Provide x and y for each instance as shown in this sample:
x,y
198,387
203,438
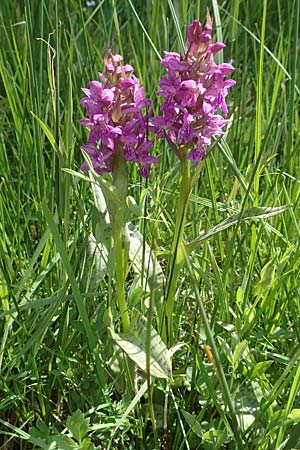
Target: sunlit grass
x,y
56,355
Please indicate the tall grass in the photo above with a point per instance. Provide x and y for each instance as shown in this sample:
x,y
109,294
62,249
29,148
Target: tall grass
x,y
235,376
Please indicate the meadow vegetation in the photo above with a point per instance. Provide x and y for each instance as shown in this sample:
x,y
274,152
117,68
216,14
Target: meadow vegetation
x,y
64,383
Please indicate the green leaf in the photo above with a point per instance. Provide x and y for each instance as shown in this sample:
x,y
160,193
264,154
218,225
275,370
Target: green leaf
x,y
135,293
134,345
214,437
40,436
153,276
86,444
193,423
40,432
294,415
262,212
146,266
47,131
64,442
247,404
100,217
133,207
226,349
261,368
107,187
239,351
267,278
78,425
3,292
96,264
239,294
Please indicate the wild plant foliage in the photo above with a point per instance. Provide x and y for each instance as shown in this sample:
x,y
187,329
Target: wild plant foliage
x,y
149,235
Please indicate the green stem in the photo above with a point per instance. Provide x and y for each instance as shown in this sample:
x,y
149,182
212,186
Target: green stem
x,y
120,271
120,181
176,257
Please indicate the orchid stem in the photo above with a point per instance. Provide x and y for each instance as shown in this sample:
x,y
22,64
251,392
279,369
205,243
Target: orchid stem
x,y
177,257
120,272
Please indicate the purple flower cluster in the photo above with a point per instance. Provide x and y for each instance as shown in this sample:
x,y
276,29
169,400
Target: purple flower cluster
x,y
114,107
194,90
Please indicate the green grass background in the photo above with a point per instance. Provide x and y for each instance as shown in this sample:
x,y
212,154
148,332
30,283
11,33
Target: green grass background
x,y
54,348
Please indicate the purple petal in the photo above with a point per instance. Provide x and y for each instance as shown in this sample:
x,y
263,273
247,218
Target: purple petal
x,y
128,68
125,83
144,171
195,32
216,47
196,155
87,122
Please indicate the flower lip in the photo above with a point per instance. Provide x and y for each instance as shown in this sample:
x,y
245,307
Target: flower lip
x,y
107,96
188,85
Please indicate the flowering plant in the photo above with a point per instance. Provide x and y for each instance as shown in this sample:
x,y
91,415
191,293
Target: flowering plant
x,y
116,121
118,133
193,90
192,113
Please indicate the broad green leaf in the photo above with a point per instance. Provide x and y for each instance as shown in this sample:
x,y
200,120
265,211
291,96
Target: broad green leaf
x,y
267,278
294,415
226,349
145,264
107,187
96,263
42,427
99,199
261,368
78,425
135,293
263,212
160,356
153,273
40,435
214,437
39,443
134,345
100,218
64,442
192,423
133,206
86,444
247,404
239,351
